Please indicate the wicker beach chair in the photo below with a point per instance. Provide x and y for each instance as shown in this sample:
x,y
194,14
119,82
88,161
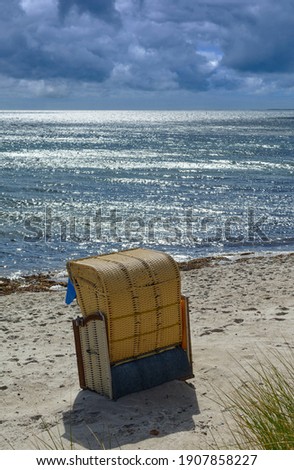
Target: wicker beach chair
x,y
134,331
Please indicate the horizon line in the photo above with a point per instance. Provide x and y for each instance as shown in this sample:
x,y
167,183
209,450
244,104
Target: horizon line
x,y
144,109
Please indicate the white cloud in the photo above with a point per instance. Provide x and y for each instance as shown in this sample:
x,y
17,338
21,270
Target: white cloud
x,y
39,7
45,88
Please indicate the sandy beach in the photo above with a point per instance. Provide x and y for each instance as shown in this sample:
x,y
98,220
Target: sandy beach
x,y
238,308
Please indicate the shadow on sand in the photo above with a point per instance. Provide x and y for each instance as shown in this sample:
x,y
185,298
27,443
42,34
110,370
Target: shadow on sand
x,y
95,422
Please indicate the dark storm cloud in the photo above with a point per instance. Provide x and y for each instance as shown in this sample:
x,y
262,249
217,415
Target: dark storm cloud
x,y
101,8
263,39
148,44
255,36
35,45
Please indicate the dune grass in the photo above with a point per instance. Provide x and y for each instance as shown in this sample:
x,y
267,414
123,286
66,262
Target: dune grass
x,y
51,441
261,406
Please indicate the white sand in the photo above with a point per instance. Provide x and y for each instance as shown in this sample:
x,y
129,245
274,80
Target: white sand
x,y
236,309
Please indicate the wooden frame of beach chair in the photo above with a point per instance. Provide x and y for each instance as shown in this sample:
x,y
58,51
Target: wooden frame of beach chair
x,y
132,311
186,331
92,353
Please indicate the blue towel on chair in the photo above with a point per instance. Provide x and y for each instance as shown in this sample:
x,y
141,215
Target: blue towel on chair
x,y
70,293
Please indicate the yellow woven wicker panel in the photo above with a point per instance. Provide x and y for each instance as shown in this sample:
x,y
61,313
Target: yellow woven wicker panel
x,y
82,270
142,336
130,347
95,357
168,334
123,350
110,276
168,292
122,304
145,266
139,293
122,328
126,265
87,297
162,267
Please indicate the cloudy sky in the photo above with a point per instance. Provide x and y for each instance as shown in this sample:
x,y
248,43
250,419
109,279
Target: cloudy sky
x,y
146,54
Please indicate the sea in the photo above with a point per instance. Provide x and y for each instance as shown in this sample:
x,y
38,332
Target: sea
x,y
190,183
